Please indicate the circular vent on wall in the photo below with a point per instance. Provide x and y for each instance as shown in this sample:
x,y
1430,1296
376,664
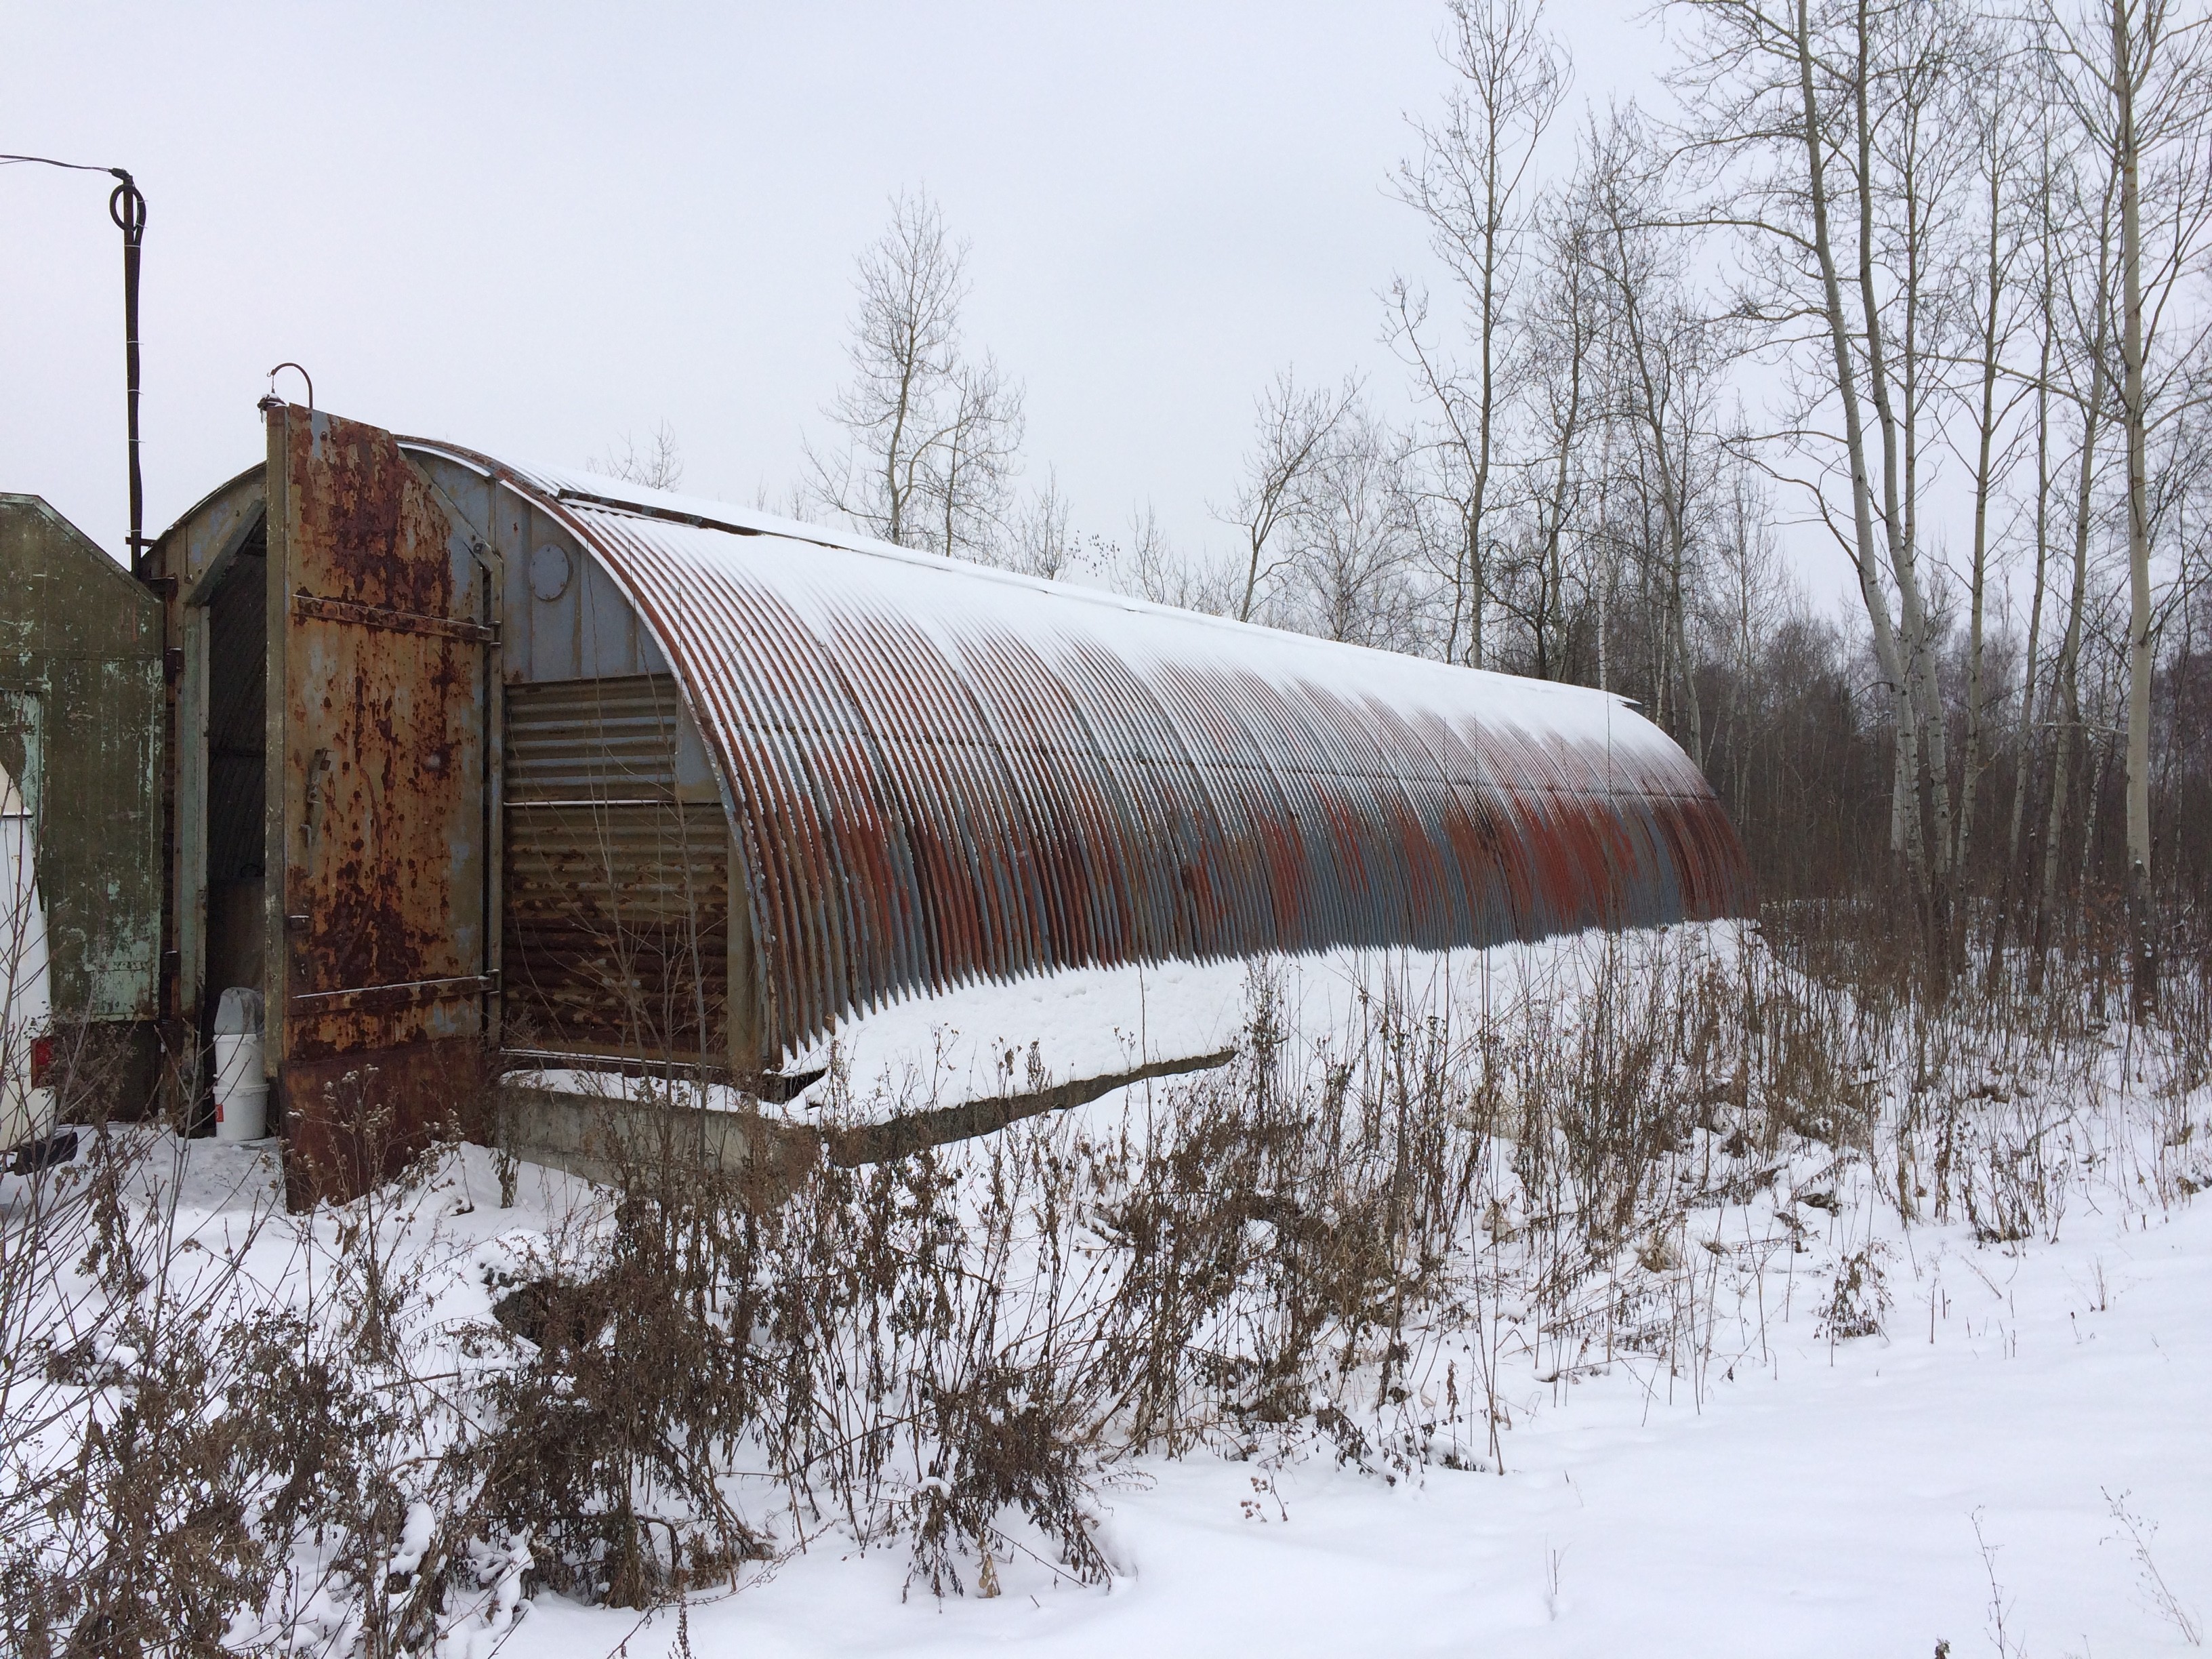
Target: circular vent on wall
x,y
548,571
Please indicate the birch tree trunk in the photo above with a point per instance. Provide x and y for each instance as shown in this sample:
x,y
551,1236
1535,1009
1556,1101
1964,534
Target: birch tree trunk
x,y
2127,74
2069,690
1985,433
1866,553
2024,743
1923,704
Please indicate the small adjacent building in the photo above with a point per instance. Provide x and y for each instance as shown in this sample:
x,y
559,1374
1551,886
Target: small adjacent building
x,y
81,715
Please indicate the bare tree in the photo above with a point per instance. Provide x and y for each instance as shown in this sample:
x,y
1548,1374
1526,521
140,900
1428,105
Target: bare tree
x,y
1146,564
1040,543
1472,185
658,463
1292,428
1346,576
1826,164
966,478
1747,600
2093,310
931,438
2140,81
1667,377
1999,130
1566,395
2044,231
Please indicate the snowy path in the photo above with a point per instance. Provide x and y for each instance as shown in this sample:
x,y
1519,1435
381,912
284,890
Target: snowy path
x,y
1825,1507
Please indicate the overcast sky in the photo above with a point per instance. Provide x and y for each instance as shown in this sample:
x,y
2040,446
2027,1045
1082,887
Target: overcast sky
x,y
531,229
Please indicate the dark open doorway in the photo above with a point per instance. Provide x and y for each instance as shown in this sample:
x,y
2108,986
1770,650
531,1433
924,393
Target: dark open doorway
x,y
237,785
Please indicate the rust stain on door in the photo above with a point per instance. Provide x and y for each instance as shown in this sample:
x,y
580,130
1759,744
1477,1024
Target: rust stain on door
x,y
384,667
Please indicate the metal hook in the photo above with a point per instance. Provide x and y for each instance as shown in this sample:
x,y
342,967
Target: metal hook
x,y
126,205
304,375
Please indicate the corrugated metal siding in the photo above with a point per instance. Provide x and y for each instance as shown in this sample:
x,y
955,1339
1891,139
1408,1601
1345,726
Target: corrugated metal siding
x,y
932,793
595,740
617,893
940,773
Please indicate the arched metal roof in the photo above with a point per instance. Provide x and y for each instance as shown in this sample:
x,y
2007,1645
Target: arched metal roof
x,y
943,773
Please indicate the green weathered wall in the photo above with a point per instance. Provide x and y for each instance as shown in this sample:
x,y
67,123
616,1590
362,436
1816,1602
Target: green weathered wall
x,y
81,717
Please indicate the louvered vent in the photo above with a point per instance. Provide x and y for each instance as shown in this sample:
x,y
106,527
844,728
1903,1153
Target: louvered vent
x,y
616,916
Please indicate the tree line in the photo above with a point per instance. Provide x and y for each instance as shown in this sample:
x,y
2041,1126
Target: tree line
x,y
1922,279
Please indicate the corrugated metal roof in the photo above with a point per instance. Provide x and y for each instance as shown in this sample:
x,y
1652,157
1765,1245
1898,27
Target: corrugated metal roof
x,y
943,773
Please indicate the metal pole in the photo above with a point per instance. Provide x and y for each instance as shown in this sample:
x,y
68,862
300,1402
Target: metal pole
x,y
126,205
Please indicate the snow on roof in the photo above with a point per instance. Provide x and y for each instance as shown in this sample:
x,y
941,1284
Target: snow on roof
x,y
591,491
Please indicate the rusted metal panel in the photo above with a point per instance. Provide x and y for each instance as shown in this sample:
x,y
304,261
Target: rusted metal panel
x,y
379,673
616,888
616,939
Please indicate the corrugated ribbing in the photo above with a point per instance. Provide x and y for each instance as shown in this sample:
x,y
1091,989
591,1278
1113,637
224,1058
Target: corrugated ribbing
x,y
941,775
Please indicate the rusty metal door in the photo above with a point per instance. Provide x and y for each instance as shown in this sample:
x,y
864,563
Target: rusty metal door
x,y
381,643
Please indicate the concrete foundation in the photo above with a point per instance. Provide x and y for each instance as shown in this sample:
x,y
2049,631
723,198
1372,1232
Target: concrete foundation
x,y
613,1141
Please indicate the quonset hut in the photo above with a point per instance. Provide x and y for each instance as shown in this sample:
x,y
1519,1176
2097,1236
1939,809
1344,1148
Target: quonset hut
x,y
484,759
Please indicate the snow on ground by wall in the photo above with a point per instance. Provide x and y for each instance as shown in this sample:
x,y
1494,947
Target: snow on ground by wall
x,y
1971,1476
1092,1022
979,1041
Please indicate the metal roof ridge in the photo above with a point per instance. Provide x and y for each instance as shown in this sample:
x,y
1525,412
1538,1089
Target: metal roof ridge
x,y
1134,604
645,510
547,484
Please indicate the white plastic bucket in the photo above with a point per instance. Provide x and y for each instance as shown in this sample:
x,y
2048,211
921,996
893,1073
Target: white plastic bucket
x,y
244,1116
237,1062
241,1092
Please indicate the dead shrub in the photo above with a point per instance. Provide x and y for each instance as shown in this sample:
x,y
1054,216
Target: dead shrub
x,y
1858,1302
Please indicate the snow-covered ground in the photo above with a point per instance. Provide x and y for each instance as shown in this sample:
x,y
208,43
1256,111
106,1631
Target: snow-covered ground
x,y
986,1039
2019,1462
1873,1495
1823,1503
